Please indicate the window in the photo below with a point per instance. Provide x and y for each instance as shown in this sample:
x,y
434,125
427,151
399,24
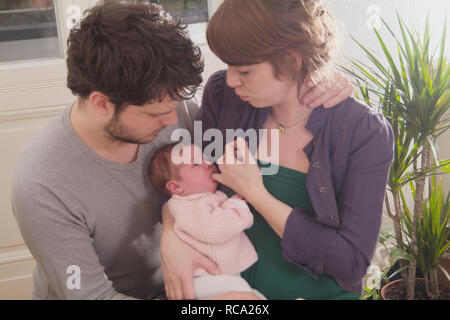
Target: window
x,y
194,13
28,30
32,52
190,11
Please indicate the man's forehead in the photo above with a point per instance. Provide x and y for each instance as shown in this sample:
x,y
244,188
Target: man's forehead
x,y
168,104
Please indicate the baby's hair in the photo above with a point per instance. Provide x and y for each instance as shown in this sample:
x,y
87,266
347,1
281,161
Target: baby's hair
x,y
161,168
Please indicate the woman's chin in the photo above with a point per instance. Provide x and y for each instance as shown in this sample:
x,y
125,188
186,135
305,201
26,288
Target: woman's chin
x,y
256,104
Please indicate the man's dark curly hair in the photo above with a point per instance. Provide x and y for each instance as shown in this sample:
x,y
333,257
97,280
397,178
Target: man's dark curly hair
x,y
134,53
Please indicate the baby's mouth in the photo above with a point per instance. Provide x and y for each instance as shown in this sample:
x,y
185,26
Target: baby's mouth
x,y
214,170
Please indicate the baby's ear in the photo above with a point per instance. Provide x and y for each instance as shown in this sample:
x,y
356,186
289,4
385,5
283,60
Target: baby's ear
x,y
174,187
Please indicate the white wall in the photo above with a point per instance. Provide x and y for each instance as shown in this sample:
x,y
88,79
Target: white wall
x,y
353,17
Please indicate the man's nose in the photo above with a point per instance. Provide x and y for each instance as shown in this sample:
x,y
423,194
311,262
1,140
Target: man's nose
x,y
233,79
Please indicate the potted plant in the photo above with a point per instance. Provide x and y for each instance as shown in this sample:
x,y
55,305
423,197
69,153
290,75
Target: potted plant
x,y
432,236
412,92
380,274
432,242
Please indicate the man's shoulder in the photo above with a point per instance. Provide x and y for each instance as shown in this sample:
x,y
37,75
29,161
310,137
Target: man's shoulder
x,y
48,153
41,146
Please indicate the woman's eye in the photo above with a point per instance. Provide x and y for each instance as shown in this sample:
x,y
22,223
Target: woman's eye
x,y
244,73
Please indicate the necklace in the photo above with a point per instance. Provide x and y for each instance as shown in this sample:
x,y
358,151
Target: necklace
x,y
282,128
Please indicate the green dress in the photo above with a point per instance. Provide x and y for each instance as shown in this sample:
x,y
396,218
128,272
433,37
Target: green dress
x,y
272,275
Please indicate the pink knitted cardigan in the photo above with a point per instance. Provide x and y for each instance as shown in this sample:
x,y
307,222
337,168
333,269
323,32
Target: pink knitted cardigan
x,y
214,224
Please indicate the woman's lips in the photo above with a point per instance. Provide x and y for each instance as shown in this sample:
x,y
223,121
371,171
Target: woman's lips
x,y
243,98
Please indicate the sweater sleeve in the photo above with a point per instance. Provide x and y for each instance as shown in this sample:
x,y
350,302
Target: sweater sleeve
x,y
61,244
208,220
345,253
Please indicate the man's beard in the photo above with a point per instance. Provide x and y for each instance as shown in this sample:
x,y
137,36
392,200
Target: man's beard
x,y
117,131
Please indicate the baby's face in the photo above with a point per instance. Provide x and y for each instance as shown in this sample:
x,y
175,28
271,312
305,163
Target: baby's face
x,y
196,177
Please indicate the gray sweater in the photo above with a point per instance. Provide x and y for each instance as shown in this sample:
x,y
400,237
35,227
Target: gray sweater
x,y
93,226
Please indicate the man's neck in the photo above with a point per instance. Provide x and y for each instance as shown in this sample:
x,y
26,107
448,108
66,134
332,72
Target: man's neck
x,y
92,133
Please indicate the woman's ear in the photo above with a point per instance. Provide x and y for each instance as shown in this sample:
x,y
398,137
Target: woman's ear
x,y
174,187
296,59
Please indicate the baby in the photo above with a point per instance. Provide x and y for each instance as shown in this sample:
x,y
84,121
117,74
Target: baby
x,y
206,218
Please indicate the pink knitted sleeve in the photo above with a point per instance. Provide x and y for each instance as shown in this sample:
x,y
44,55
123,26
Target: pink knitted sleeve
x,y
210,220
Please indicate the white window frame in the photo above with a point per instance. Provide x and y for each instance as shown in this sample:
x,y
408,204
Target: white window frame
x,y
33,85
38,86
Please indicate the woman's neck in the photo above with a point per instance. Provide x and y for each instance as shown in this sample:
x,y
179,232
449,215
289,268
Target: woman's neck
x,y
291,109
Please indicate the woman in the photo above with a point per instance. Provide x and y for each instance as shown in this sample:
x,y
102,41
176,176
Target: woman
x,y
317,220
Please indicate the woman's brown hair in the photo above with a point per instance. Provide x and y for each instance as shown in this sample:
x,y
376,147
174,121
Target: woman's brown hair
x,y
246,32
133,53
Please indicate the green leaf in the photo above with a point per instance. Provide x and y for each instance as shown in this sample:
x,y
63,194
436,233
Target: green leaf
x,y
445,168
444,272
397,254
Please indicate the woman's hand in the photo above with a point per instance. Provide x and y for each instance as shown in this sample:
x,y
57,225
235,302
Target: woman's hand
x,y
245,178
239,170
179,262
328,92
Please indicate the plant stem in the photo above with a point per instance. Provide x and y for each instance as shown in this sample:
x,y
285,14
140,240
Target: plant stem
x,y
434,285
398,232
427,285
388,207
420,187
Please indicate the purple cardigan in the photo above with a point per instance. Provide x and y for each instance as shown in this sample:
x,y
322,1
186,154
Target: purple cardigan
x,y
350,157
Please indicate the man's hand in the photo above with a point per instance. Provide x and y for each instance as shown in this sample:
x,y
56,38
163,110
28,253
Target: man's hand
x,y
179,262
236,296
328,92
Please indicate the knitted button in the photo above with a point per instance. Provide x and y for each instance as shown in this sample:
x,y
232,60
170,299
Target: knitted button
x,y
322,189
316,164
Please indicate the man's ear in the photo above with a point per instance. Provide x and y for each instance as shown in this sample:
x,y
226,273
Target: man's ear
x,y
174,187
101,104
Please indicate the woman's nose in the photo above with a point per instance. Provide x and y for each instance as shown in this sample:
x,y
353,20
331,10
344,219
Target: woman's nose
x,y
233,80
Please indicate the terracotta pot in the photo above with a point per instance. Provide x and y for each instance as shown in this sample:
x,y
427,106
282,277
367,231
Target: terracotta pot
x,y
390,285
420,293
387,287
445,263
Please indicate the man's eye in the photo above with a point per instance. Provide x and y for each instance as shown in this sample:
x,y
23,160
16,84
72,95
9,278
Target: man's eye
x,y
244,73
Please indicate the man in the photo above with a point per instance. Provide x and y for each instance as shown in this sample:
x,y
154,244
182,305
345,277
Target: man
x,y
81,196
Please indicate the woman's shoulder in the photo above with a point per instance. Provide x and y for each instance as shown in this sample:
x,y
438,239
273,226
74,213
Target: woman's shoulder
x,y
356,123
216,83
352,113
